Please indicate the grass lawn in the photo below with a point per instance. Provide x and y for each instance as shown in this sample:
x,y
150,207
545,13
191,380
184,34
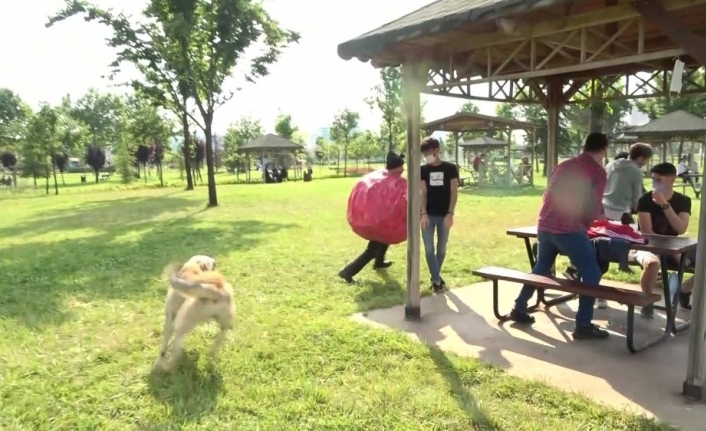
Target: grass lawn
x,y
81,317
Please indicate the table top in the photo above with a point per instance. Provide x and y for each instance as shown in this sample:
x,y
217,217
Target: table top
x,y
658,244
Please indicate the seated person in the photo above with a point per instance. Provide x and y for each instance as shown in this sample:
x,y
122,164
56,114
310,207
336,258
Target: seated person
x,y
664,212
683,170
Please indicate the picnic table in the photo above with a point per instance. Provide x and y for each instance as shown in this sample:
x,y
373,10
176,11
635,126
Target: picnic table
x,y
660,245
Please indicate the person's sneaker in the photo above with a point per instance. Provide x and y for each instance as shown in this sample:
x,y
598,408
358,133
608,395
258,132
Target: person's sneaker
x,y
521,317
648,311
437,287
347,278
685,301
571,274
383,265
589,333
601,303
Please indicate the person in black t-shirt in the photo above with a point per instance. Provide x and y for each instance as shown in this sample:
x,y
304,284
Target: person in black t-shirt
x,y
439,194
664,212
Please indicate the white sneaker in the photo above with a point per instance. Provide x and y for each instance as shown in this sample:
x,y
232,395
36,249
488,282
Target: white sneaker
x,y
601,303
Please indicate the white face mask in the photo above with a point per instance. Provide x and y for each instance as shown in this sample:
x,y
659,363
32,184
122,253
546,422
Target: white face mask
x,y
429,159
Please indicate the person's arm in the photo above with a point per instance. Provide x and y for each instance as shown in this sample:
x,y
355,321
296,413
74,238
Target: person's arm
x,y
679,221
636,191
423,190
644,219
454,188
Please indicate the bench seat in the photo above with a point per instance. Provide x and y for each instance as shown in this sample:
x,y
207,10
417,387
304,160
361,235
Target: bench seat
x,y
629,298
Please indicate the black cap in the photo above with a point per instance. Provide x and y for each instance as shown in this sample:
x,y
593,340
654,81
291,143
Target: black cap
x,y
394,161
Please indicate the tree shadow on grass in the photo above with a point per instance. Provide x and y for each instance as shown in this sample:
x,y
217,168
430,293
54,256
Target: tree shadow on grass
x,y
114,215
189,391
479,418
39,279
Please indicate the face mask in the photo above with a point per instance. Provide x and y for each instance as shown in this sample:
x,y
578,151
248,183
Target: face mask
x,y
657,187
429,159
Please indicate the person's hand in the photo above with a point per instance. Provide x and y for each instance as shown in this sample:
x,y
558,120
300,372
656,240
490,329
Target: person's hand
x,y
658,198
448,221
425,221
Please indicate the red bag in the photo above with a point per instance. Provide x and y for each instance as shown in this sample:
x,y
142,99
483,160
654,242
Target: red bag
x,y
377,207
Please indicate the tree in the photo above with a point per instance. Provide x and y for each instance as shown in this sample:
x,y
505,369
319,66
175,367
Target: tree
x,y
142,156
14,114
42,130
61,161
8,160
101,114
657,107
388,100
237,135
212,38
157,158
284,127
95,158
198,158
343,132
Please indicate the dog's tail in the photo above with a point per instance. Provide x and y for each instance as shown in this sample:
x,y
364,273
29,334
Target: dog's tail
x,y
197,289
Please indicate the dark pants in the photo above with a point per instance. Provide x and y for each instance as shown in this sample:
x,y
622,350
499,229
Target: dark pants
x,y
374,250
579,249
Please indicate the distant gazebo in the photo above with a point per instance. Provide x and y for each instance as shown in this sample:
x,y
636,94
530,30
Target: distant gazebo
x,y
471,122
677,126
270,145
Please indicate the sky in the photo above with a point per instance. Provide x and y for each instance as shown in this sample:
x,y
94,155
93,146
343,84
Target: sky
x,y
310,81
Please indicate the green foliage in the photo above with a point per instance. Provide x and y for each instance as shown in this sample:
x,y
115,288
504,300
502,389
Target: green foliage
x,y
388,99
14,114
101,114
284,127
343,131
237,135
659,106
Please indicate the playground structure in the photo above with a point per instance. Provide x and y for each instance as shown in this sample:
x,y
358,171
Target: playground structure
x,y
474,134
275,152
549,52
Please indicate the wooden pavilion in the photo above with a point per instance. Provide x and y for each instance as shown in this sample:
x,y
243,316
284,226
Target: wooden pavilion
x,y
678,127
271,145
470,122
549,52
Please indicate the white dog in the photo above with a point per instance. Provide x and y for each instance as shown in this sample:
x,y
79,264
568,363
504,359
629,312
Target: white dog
x,y
197,293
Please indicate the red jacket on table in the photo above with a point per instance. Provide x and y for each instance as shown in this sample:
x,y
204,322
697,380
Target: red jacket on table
x,y
604,228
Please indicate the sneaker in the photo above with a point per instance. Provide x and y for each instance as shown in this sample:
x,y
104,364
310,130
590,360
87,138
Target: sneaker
x,y
648,311
589,333
521,317
437,287
383,265
571,274
601,303
685,301
347,278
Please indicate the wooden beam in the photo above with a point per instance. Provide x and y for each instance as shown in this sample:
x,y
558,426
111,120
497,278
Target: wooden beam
x,y
654,11
623,11
594,65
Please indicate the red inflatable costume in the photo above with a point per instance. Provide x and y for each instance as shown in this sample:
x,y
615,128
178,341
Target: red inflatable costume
x,y
377,207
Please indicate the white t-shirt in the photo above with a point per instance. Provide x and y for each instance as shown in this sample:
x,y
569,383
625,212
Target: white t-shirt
x,y
682,168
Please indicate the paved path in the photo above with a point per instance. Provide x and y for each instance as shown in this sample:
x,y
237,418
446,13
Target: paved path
x,y
462,321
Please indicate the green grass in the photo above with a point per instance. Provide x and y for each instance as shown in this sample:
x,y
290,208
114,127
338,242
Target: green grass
x,y
81,317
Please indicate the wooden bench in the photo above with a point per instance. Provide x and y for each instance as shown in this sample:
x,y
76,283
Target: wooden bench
x,y
462,181
630,298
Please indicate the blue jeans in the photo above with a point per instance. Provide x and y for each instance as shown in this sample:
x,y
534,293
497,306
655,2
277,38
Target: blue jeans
x,y
578,248
435,257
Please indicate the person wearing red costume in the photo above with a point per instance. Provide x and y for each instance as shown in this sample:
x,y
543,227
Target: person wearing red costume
x,y
375,250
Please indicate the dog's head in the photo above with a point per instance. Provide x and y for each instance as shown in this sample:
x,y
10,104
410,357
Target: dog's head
x,y
206,263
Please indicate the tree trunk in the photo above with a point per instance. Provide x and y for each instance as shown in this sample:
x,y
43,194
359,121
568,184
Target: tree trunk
x,y
34,177
389,126
144,171
187,151
212,195
596,122
97,172
46,177
14,176
63,182
56,183
345,160
161,177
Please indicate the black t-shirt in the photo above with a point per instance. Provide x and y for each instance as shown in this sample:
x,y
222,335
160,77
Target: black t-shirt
x,y
438,180
660,224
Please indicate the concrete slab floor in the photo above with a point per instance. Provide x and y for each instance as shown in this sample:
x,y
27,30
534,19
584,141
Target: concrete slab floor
x,y
462,321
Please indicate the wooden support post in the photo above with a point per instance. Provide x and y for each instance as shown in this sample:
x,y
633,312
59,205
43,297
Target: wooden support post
x,y
555,100
413,84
